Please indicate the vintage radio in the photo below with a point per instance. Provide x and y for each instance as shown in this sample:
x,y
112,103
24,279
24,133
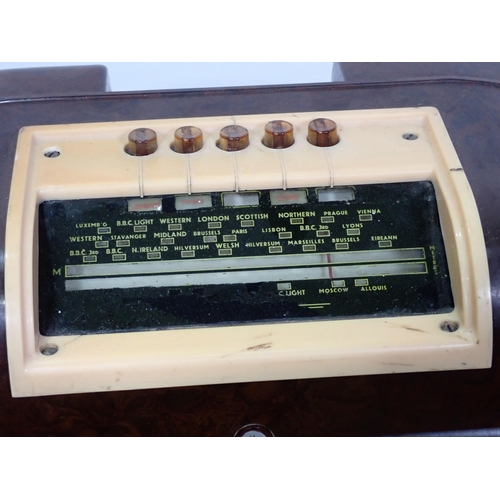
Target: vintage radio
x,y
208,250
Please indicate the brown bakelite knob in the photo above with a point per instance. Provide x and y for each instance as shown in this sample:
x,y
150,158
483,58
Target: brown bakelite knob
x,y
187,140
233,138
141,142
278,134
322,132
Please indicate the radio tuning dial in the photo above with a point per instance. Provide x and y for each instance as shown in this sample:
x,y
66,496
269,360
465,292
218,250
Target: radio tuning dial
x,y
141,142
322,133
233,138
187,140
278,134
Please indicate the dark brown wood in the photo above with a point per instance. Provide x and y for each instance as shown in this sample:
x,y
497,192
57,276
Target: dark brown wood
x,y
395,71
352,406
45,82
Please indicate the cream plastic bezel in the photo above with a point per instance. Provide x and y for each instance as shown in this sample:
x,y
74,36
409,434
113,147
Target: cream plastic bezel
x,y
93,164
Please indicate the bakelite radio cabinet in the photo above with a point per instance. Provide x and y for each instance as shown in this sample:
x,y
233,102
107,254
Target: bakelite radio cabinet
x,y
296,260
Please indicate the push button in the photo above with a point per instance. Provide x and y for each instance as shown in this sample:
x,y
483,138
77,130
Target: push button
x,y
322,132
187,140
141,142
233,138
278,134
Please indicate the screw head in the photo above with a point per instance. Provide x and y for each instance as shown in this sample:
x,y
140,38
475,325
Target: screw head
x,y
254,430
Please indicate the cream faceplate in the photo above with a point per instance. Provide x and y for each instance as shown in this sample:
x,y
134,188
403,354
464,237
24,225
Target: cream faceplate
x,y
93,164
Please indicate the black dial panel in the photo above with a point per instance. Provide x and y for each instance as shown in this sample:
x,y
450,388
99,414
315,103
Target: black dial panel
x,y
132,264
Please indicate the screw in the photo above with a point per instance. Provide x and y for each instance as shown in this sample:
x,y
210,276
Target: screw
x,y
52,153
49,350
410,137
449,326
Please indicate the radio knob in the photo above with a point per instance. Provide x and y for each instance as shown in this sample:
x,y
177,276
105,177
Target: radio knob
x,y
141,142
187,140
278,134
322,132
233,138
